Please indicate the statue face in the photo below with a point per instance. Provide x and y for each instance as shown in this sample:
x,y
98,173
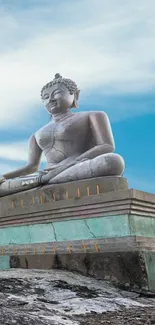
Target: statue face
x,y
57,99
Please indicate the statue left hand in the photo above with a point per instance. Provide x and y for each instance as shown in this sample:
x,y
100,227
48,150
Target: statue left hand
x,y
54,172
77,161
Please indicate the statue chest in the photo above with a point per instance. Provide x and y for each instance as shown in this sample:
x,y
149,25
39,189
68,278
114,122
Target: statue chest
x,y
71,130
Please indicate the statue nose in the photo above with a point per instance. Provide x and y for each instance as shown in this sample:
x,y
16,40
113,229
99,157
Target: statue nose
x,y
51,99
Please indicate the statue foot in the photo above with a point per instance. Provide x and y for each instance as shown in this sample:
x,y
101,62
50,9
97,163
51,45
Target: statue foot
x,y
109,164
19,184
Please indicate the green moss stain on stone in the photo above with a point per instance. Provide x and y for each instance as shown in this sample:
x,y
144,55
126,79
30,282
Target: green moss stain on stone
x,y
4,262
72,230
41,233
142,226
79,229
103,227
14,235
111,226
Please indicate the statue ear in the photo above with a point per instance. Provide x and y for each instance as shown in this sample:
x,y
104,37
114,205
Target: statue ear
x,y
77,94
76,98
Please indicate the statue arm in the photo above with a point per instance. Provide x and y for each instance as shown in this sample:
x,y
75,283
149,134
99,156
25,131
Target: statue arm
x,y
102,134
34,155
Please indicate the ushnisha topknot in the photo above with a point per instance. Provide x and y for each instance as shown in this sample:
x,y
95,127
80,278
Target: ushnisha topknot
x,y
70,84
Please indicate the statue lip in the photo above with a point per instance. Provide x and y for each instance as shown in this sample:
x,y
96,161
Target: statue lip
x,y
52,105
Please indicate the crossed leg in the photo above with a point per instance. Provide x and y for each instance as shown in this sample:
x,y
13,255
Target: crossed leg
x,y
109,164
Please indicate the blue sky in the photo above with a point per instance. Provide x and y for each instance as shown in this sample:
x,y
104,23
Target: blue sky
x,y
107,47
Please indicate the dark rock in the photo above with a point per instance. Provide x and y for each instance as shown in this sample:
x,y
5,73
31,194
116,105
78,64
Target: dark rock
x,y
31,297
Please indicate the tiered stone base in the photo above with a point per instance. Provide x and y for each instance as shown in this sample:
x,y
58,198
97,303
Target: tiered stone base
x,y
97,227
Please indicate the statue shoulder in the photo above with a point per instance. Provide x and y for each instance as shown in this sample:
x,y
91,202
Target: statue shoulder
x,y
43,128
92,114
98,115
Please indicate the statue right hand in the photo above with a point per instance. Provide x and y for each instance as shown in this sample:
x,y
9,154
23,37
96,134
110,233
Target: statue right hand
x,y
2,179
77,161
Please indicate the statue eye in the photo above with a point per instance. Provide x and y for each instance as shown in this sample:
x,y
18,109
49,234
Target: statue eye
x,y
57,92
46,96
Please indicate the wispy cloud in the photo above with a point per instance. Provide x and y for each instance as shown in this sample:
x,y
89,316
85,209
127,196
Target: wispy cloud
x,y
11,151
15,151
5,168
104,46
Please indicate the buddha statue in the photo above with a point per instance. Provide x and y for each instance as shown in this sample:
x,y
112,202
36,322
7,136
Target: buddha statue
x,y
77,146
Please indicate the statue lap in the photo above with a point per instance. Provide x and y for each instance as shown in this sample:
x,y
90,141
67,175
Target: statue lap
x,y
104,165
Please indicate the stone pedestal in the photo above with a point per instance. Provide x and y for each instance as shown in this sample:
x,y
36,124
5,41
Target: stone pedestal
x,y
97,227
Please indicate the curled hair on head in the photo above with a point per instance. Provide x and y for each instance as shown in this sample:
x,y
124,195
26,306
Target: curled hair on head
x,y
68,83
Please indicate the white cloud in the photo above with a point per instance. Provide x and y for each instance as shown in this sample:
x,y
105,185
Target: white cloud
x,y
5,168
16,151
107,45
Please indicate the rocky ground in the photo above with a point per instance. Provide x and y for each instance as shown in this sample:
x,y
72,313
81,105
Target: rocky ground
x,y
33,297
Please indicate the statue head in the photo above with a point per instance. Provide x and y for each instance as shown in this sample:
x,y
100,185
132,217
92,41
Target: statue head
x,y
60,94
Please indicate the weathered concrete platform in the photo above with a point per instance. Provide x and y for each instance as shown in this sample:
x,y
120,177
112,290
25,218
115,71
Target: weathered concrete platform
x,y
98,227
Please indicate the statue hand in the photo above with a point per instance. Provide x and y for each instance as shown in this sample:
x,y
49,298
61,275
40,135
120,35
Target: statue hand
x,y
77,161
54,172
2,179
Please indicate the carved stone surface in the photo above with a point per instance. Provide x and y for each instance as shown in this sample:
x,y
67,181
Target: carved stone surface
x,y
76,145
62,196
